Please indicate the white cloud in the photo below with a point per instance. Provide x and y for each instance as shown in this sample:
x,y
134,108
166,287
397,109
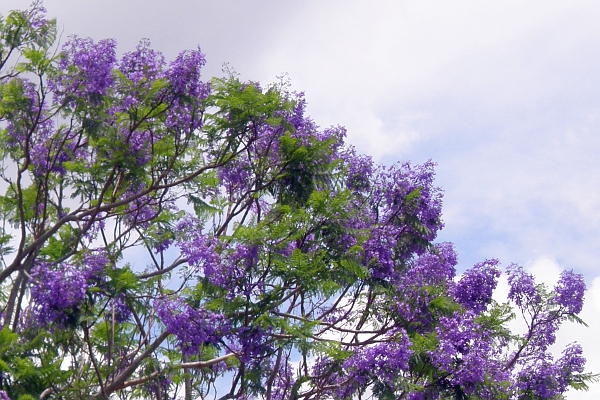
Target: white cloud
x,y
545,269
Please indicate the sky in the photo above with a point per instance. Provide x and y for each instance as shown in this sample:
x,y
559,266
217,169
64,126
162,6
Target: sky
x,y
503,96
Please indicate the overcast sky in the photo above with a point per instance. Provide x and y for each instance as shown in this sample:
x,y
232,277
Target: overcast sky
x,y
504,96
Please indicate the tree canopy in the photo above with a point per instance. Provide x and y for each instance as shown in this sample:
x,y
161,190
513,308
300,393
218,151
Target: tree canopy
x,y
167,237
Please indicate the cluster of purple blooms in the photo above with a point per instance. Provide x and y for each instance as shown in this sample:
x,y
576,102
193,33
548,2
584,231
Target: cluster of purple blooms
x,y
380,362
223,267
193,327
85,79
546,378
88,68
476,285
58,291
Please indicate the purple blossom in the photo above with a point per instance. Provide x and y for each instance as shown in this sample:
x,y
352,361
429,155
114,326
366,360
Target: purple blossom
x,y
56,294
192,327
252,343
3,395
434,269
59,291
188,91
284,381
118,309
382,362
163,244
37,17
547,378
408,211
159,387
572,361
522,286
223,265
95,227
379,252
142,66
474,290
359,171
94,263
87,70
184,74
31,129
143,209
466,353
569,291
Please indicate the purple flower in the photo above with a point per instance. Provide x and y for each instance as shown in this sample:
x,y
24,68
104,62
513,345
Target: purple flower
x,y
192,327
86,70
359,171
31,130
143,209
474,290
284,381
571,361
118,309
547,378
223,265
466,353
569,291
144,65
382,362
184,74
56,294
94,263
252,343
522,286
415,285
379,252
37,17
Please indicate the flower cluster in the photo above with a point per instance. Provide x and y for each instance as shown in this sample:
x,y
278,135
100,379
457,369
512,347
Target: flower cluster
x,y
143,208
86,70
382,362
432,269
569,292
406,212
57,293
359,172
466,354
118,310
253,344
224,265
284,382
142,66
189,91
192,327
522,286
474,290
31,131
547,378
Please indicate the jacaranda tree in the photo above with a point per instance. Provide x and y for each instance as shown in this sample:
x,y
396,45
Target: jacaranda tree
x,y
168,237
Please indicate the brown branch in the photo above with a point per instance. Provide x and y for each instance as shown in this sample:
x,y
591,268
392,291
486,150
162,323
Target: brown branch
x,y
188,365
